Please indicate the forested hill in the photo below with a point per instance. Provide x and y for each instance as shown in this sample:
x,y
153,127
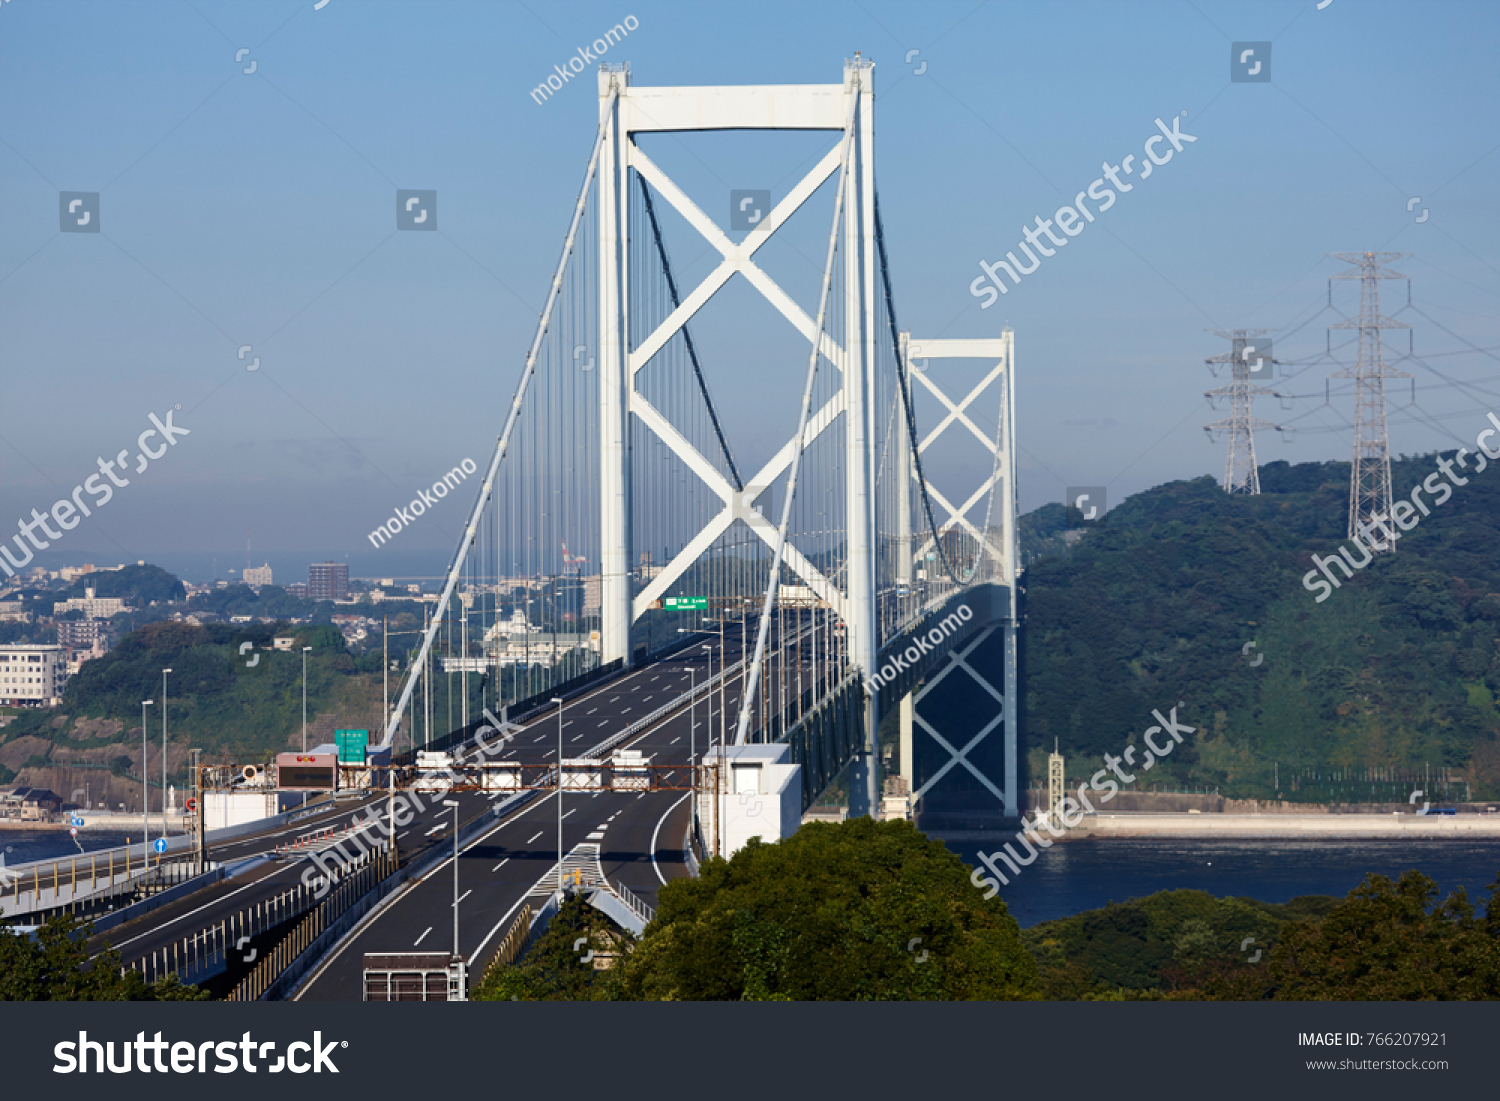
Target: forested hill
x,y
1396,670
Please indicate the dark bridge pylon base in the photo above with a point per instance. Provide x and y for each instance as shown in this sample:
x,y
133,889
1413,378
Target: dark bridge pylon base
x,y
832,736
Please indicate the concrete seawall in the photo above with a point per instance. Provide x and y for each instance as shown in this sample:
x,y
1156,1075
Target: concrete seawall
x,y
1287,826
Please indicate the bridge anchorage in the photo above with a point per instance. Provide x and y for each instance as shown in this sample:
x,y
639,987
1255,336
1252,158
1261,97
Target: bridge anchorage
x,y
616,525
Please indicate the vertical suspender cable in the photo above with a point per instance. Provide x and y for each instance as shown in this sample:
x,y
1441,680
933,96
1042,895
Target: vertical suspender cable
x,y
747,699
489,479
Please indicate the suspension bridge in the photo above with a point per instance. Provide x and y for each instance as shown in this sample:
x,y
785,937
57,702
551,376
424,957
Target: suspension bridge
x,y
634,601
616,523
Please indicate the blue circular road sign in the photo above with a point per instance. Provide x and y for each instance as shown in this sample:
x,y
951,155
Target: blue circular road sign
x,y
160,844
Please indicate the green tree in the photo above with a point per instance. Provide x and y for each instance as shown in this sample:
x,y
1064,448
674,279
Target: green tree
x,y
54,966
1168,943
559,967
1389,942
861,910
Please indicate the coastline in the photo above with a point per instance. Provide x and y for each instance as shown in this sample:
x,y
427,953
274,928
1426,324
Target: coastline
x,y
1280,827
96,821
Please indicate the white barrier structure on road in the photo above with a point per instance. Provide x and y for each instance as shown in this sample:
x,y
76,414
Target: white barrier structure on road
x,y
759,794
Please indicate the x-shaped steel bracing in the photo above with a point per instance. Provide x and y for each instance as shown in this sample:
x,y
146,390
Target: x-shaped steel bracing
x,y
952,349
737,258
960,756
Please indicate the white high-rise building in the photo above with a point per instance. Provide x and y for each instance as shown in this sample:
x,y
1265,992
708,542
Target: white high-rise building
x,y
94,607
257,575
32,676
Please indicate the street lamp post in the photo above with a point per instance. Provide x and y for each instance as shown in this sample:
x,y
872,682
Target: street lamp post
x,y
164,673
557,700
457,960
693,720
145,821
305,649
692,727
709,650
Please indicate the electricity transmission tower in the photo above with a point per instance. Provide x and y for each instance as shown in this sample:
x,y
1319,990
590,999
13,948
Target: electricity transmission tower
x,y
1370,473
1249,359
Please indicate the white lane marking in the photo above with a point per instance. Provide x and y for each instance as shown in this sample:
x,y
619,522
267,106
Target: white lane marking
x,y
500,865
579,736
654,834
653,679
423,937
594,837
675,740
625,711
369,921
567,724
465,895
573,811
602,826
539,833
477,840
669,775
439,826
549,753
591,710
604,723
613,698
399,836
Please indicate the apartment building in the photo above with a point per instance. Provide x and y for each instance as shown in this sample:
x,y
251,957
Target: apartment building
x,y
328,581
94,607
32,676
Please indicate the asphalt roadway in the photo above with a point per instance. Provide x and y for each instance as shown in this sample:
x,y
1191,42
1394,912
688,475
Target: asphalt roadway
x,y
640,835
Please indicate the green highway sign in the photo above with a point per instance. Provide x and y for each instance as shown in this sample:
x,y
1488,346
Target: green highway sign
x,y
686,603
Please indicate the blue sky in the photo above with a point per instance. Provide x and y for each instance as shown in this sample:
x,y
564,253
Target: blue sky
x,y
258,209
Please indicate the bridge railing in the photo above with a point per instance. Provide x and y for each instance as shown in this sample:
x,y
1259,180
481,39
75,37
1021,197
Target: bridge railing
x,y
349,892
83,882
513,943
640,909
207,952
